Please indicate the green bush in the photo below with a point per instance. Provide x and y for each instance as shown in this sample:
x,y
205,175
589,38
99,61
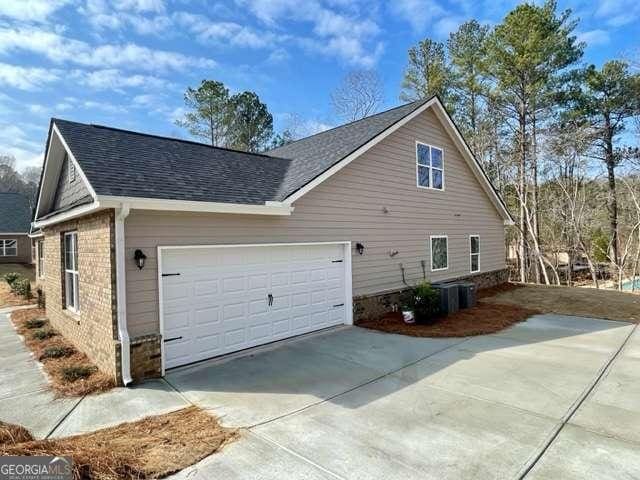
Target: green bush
x,y
423,300
56,351
43,333
22,287
36,323
11,277
77,372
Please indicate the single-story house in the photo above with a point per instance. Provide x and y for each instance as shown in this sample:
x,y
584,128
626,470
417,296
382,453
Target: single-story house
x,y
15,222
161,252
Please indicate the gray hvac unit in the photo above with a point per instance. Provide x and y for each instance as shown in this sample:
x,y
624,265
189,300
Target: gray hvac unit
x,y
449,302
466,294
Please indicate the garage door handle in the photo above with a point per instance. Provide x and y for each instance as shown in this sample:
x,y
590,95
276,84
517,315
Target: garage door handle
x,y
170,274
172,339
339,305
270,299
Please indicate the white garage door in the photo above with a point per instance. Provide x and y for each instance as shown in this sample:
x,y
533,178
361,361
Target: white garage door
x,y
217,300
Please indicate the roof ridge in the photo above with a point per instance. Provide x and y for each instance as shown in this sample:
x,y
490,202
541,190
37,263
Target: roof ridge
x,y
164,137
353,121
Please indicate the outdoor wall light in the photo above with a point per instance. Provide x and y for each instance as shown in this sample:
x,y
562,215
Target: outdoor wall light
x,y
360,248
139,257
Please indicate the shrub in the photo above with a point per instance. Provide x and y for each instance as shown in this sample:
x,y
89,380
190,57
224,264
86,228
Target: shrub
x,y
35,323
11,277
22,287
44,333
77,372
423,300
56,351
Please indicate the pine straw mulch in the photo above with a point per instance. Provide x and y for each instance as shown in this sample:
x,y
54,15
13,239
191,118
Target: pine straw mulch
x,y
149,448
10,299
97,381
482,319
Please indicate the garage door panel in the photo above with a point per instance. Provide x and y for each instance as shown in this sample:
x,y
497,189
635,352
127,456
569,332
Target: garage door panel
x,y
219,302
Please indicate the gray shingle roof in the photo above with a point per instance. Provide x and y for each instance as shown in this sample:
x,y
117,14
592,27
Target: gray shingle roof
x,y
15,213
123,163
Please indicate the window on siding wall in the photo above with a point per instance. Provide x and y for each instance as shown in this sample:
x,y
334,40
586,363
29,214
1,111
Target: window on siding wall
x,y
474,249
71,277
439,252
40,256
429,166
8,248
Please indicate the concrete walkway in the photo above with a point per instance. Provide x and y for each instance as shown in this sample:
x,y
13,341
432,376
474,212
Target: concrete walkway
x,y
554,397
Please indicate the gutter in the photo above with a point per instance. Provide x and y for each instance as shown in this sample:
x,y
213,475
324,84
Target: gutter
x,y
121,287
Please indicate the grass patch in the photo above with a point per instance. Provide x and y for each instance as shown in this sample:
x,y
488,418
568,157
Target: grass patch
x,y
56,351
65,366
35,323
482,319
149,448
43,333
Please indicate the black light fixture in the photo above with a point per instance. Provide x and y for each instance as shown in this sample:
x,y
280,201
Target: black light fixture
x,y
139,257
360,248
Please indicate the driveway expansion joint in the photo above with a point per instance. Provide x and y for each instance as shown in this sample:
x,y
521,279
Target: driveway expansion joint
x,y
574,408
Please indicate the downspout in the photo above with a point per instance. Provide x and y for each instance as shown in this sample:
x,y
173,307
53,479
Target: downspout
x,y
121,285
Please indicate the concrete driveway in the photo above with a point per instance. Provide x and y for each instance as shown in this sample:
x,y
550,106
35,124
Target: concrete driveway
x,y
550,398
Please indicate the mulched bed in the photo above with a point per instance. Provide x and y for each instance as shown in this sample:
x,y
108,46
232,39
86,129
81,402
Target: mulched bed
x,y
10,299
482,319
64,370
149,448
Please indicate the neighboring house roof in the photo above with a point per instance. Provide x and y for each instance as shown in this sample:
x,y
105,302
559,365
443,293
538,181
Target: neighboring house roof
x,y
121,164
15,213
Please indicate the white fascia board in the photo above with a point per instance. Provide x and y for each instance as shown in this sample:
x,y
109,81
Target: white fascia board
x,y
14,233
69,215
270,208
351,157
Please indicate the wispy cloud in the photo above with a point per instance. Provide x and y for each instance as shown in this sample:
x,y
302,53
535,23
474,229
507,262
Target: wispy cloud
x,y
594,37
114,79
61,49
30,10
617,13
418,13
26,78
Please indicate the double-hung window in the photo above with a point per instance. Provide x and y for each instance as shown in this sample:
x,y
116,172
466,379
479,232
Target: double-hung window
x,y
8,248
71,278
474,249
40,255
429,166
439,252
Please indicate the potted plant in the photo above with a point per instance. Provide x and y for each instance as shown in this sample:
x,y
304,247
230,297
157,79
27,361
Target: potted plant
x,y
421,303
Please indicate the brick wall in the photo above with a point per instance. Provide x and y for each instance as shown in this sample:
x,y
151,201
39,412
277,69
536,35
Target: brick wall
x,y
146,361
94,329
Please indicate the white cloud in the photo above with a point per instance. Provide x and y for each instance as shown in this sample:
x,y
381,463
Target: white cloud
x,y
114,79
419,13
26,78
145,17
15,141
594,37
103,106
30,10
60,49
617,13
446,25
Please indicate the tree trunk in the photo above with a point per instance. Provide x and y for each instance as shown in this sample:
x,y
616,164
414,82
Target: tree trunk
x,y
534,192
524,254
612,203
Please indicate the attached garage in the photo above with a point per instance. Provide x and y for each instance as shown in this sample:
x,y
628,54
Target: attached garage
x,y
219,299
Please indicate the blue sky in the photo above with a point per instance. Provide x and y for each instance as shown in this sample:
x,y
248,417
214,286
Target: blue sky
x,y
126,63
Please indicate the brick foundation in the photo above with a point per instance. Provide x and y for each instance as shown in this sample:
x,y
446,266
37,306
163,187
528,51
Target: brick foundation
x,y
94,329
146,361
373,307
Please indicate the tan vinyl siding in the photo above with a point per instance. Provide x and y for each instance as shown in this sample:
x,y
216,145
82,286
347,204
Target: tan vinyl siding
x,y
348,206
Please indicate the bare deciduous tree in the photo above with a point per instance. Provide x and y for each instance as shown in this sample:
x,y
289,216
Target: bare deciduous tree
x,y
360,94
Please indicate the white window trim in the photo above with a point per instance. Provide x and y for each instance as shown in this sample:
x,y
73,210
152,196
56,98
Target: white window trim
x,y
430,167
74,273
3,247
471,254
40,256
431,238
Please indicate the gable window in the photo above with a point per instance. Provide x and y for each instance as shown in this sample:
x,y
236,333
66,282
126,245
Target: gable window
x,y
40,256
439,252
8,248
72,171
429,166
71,278
474,249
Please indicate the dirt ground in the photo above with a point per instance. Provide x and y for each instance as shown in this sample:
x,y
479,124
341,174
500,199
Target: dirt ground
x,y
8,298
149,448
582,302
